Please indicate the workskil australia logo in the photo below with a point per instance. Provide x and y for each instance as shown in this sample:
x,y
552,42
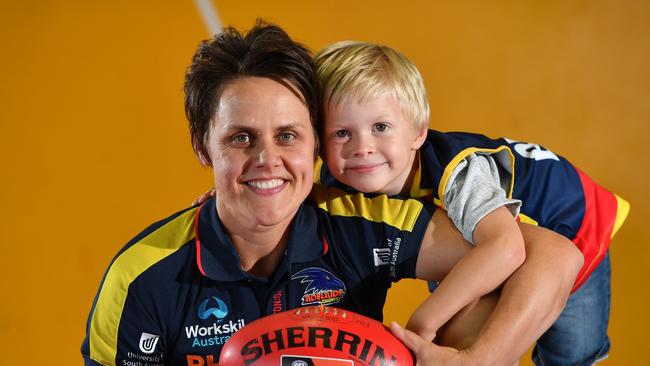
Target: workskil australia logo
x,y
323,288
218,312
219,331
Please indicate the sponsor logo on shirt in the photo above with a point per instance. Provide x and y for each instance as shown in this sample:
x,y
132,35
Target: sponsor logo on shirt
x,y
323,288
217,333
277,302
388,256
199,360
382,256
148,342
218,312
393,247
143,360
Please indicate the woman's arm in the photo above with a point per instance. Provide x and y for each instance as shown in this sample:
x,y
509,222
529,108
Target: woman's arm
x,y
531,299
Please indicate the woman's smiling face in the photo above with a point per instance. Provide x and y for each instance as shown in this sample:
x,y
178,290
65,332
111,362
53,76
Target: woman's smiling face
x,y
261,143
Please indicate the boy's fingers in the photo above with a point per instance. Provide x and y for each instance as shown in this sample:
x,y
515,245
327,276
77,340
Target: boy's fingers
x,y
204,197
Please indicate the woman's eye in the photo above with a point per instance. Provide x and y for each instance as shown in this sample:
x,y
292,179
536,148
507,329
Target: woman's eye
x,y
241,139
381,127
286,137
342,133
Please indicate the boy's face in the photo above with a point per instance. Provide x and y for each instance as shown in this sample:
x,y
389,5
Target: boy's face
x,y
370,146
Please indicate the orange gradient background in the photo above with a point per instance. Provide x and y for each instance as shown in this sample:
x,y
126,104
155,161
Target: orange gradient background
x,y
94,144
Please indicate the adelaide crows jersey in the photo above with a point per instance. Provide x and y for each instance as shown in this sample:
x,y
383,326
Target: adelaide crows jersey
x,y
176,292
554,193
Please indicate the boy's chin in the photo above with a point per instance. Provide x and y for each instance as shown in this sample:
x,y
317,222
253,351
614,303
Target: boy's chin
x,y
367,187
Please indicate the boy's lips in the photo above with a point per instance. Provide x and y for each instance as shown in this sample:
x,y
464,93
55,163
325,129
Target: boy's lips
x,y
365,168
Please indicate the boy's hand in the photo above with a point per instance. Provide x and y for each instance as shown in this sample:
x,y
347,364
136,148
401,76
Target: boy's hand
x,y
426,353
203,197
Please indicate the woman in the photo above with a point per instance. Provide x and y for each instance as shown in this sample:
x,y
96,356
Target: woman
x,y
270,241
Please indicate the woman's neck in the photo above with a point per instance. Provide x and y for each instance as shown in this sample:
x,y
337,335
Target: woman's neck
x,y
260,248
260,255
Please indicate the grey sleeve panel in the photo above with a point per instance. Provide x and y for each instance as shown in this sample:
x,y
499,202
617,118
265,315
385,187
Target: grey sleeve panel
x,y
475,188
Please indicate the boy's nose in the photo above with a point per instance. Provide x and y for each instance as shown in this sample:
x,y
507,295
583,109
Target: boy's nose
x,y
363,146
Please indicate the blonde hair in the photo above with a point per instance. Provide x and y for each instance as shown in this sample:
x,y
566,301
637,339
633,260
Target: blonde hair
x,y
360,70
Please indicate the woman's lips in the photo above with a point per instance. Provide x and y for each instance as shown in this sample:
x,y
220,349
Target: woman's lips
x,y
266,186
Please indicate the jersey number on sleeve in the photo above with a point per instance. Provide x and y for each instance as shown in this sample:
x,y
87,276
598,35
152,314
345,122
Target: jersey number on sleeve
x,y
532,151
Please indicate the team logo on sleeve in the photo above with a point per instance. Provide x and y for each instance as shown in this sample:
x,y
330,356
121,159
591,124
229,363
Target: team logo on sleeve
x,y
323,288
148,342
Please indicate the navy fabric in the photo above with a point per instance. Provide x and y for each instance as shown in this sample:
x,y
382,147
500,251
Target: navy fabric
x,y
329,260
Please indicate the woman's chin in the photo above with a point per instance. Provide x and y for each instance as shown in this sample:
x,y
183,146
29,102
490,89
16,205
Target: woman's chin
x,y
269,218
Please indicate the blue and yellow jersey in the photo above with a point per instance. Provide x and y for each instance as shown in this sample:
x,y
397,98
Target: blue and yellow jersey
x,y
554,193
176,292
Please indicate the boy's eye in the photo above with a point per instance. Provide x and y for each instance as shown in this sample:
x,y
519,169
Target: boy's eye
x,y
241,139
380,127
342,133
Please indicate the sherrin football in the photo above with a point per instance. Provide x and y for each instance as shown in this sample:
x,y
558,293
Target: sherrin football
x,y
315,336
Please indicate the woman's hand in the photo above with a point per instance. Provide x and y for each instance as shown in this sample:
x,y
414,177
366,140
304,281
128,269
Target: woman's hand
x,y
426,353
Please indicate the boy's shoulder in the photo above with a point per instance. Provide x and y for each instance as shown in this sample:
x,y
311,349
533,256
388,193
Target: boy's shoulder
x,y
443,152
455,142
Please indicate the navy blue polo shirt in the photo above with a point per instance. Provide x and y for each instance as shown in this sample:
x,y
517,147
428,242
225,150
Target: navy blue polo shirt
x,y
176,293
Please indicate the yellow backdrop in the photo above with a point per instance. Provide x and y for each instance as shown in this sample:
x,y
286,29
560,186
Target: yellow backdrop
x,y
94,147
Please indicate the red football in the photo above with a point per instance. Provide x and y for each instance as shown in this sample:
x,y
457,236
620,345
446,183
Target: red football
x,y
315,336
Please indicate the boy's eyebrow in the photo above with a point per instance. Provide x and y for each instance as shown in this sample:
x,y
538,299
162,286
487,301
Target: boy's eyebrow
x,y
384,117
381,116
377,116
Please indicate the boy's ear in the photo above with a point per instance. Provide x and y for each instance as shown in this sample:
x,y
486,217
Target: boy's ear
x,y
420,136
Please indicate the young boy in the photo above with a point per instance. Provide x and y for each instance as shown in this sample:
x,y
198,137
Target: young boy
x,y
375,139
371,144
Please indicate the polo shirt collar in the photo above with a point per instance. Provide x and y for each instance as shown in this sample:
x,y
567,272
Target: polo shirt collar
x,y
216,255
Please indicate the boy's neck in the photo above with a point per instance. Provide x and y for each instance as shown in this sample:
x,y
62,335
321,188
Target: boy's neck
x,y
415,164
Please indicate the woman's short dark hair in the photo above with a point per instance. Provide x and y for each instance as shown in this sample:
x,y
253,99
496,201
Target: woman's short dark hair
x,y
264,51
